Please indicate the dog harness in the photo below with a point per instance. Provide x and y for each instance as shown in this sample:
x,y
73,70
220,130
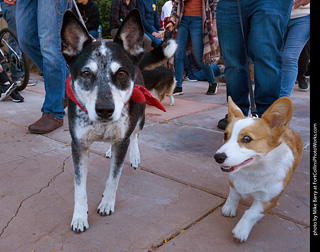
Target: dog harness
x,y
139,94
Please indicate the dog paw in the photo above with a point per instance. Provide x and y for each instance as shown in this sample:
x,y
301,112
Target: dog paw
x,y
79,224
240,234
108,153
134,157
135,162
106,208
229,211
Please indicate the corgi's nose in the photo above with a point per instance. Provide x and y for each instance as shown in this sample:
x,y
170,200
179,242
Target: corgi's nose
x,y
220,157
104,110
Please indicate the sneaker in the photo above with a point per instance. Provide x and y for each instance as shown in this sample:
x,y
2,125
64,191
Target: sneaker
x,y
16,97
177,91
303,87
6,90
222,124
213,89
32,82
190,77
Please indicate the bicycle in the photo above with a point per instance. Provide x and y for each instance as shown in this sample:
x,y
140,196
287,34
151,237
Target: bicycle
x,y
12,59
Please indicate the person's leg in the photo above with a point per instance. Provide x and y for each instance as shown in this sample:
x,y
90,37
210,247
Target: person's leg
x,y
297,36
27,30
232,50
155,42
201,76
304,60
94,34
303,64
54,66
268,23
182,39
196,35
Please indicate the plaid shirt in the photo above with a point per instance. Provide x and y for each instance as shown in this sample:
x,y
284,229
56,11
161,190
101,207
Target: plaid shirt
x,y
119,10
209,7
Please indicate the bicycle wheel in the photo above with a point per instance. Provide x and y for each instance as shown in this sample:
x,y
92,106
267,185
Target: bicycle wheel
x,y
12,59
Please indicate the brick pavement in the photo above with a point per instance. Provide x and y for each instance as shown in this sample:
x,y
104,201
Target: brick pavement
x,y
171,203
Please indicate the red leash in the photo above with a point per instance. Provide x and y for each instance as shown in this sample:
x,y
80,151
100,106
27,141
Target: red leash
x,y
139,94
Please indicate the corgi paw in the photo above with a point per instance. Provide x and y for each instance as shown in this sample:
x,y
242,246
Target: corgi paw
x,y
79,224
229,211
240,234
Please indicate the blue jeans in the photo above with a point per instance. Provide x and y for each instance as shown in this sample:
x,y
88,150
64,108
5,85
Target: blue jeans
x,y
265,23
155,42
38,28
297,36
190,26
201,76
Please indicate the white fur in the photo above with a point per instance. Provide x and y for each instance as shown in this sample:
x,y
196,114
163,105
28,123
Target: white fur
x,y
264,179
235,154
92,65
103,49
107,203
80,212
171,48
248,220
87,99
114,66
120,97
134,148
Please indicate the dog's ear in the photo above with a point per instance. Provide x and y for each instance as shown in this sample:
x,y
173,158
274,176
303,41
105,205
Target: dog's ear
x,y
131,34
279,114
233,110
73,36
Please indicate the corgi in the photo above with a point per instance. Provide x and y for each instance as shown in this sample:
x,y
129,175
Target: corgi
x,y
260,156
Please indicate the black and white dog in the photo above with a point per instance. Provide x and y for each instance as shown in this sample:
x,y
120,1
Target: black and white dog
x,y
100,105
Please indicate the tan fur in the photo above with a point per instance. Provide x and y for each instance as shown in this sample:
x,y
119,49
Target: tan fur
x,y
295,143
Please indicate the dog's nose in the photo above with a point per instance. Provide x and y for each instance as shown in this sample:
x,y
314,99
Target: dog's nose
x,y
104,110
220,157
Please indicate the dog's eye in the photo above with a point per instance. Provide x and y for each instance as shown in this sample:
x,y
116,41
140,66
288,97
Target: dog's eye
x,y
121,74
86,74
225,136
246,139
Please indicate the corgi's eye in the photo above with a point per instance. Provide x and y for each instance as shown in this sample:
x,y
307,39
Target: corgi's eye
x,y
225,136
86,74
121,74
246,139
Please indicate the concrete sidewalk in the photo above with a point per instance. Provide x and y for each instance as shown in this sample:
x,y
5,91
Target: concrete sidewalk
x,y
172,203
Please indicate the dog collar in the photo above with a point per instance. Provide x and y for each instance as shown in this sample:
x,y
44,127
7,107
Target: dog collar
x,y
71,94
139,94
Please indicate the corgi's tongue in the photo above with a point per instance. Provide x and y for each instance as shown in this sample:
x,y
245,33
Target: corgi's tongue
x,y
235,167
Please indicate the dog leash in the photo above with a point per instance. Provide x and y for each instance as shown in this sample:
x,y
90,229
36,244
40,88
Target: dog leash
x,y
139,94
78,12
253,107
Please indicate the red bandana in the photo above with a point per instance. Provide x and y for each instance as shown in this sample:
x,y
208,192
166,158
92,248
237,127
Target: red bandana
x,y
139,94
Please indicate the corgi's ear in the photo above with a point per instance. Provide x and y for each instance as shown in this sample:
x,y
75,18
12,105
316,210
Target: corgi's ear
x,y
233,110
73,36
131,34
279,114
